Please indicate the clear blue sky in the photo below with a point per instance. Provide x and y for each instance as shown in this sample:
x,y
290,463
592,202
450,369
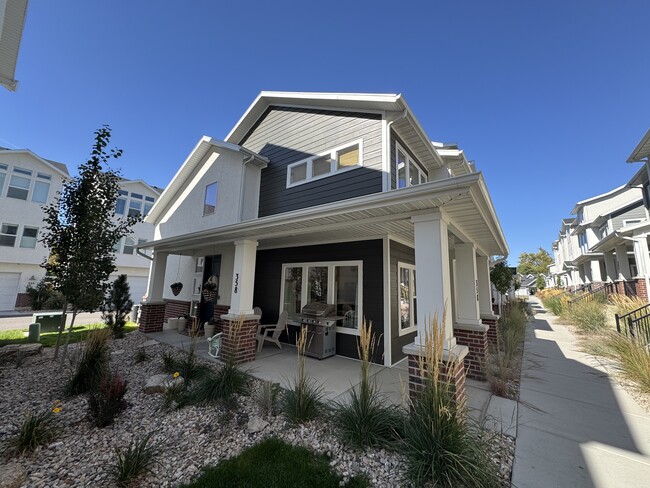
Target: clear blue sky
x,y
549,98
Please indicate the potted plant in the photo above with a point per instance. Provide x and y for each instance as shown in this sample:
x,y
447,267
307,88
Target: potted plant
x,y
209,327
176,288
209,291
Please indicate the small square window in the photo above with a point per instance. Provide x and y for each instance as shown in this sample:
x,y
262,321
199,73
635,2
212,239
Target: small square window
x,y
349,157
135,208
8,233
28,239
150,199
137,196
321,166
129,245
41,191
18,187
23,171
298,173
210,201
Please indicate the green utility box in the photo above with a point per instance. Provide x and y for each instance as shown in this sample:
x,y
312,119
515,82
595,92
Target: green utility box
x,y
50,321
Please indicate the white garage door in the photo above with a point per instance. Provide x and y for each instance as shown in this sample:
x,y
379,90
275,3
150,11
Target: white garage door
x,y
8,290
138,286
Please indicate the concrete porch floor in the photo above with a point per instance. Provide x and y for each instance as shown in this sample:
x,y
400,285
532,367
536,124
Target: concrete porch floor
x,y
336,374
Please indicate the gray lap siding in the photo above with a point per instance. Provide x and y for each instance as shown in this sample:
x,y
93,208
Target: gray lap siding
x,y
268,282
286,135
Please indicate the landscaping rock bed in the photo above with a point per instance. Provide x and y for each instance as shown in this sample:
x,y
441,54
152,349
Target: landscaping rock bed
x,y
186,440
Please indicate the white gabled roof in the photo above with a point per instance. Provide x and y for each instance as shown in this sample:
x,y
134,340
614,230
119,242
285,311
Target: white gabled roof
x,y
12,21
603,196
60,168
202,148
642,149
153,189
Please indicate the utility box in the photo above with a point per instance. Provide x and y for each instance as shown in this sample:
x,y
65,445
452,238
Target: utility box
x,y
34,332
50,321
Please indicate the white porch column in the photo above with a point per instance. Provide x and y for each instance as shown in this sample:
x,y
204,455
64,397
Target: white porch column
x,y
467,285
610,266
484,288
432,264
243,278
595,270
642,257
156,282
624,272
583,275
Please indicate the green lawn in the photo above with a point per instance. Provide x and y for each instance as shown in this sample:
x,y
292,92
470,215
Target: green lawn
x,y
274,464
48,339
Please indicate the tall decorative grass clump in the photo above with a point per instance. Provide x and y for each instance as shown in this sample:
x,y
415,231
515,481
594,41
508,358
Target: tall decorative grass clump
x,y
557,304
133,461
366,419
36,429
229,380
93,363
590,317
302,401
633,358
442,446
624,304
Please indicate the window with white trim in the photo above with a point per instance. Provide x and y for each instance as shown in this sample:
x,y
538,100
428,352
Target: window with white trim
x,y
41,188
409,172
210,201
328,163
582,242
19,183
8,233
28,239
120,204
407,298
129,245
338,283
631,222
3,176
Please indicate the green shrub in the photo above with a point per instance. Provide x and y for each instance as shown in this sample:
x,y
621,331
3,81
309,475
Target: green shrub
x,y
556,304
108,400
588,316
92,365
266,398
228,381
273,463
43,296
141,355
500,371
133,461
187,365
176,396
365,419
35,430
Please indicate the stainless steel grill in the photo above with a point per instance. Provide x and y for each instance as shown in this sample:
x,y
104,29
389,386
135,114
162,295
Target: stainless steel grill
x,y
320,320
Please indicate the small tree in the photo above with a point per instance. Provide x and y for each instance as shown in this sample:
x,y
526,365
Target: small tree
x,y
117,306
81,230
540,282
501,277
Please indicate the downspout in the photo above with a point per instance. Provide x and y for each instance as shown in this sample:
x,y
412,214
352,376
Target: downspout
x,y
144,255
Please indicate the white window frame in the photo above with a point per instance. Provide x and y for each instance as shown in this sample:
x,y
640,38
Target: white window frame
x,y
412,297
409,160
627,222
22,236
334,169
4,171
216,198
15,236
603,230
330,287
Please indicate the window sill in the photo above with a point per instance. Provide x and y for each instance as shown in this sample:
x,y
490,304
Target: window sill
x,y
347,331
408,330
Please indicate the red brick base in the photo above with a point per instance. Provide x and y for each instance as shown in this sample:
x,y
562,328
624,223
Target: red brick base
x,y
176,308
453,373
492,331
152,316
23,300
477,343
641,289
239,345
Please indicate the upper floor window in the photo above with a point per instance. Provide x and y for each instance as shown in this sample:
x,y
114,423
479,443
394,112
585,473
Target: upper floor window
x,y
409,172
631,222
19,183
8,233
582,242
137,204
322,165
3,176
210,200
408,301
603,231
41,188
580,216
148,204
28,239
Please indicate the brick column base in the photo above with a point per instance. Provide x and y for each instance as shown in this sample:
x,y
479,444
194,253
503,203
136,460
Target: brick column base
x,y
491,322
176,308
641,289
240,345
152,316
475,337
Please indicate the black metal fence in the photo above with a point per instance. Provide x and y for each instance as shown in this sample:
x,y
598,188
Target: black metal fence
x,y
599,292
635,324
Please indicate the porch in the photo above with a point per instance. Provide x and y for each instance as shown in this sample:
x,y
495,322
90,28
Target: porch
x,y
336,374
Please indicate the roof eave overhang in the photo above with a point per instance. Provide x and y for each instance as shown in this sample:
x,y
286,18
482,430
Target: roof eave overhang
x,y
37,157
642,150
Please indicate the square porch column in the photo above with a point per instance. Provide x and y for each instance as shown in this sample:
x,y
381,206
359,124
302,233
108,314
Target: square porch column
x,y
485,298
594,266
642,257
610,266
468,329
434,298
152,312
624,272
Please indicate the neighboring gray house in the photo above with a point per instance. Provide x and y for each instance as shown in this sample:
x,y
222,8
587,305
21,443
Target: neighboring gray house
x,y
332,198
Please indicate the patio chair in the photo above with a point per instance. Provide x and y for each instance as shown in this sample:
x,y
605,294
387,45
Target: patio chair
x,y
257,311
271,332
214,345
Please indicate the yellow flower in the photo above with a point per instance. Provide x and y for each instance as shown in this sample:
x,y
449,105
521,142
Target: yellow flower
x,y
56,409
176,374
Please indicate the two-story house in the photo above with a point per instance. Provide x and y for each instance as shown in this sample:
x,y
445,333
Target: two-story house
x,y
27,183
332,198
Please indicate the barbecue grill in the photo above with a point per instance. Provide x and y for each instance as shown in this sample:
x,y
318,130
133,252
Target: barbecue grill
x,y
320,320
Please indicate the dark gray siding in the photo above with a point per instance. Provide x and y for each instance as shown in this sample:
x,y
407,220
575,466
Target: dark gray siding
x,y
287,135
403,254
393,158
268,279
632,212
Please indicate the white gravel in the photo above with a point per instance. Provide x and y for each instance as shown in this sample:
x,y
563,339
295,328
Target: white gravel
x,y
186,439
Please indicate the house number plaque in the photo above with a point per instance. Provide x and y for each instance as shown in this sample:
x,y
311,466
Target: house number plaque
x,y
236,282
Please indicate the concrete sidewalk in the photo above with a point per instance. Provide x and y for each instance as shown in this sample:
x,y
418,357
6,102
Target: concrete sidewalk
x,y
577,427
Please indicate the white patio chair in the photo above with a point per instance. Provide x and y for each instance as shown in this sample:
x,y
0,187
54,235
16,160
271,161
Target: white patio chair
x,y
214,345
271,332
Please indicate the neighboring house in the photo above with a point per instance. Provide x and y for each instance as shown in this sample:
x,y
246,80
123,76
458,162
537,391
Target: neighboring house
x,y
565,248
12,21
334,198
527,285
27,183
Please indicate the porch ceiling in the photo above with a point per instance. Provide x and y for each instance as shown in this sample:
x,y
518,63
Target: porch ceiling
x,y
464,201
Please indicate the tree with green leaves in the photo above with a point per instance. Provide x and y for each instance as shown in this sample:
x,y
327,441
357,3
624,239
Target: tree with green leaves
x,y
501,277
535,263
117,306
81,230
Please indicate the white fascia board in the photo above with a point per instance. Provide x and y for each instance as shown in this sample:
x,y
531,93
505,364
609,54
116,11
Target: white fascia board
x,y
603,196
642,150
142,182
37,157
